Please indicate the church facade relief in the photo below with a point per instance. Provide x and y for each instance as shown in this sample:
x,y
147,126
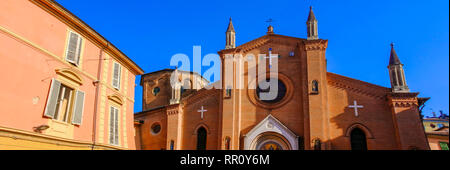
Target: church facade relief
x,y
270,134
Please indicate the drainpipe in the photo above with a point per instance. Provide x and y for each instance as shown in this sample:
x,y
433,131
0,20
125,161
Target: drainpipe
x,y
97,90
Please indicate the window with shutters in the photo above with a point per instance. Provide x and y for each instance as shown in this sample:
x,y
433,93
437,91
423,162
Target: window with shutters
x,y
444,145
74,48
116,75
114,126
64,103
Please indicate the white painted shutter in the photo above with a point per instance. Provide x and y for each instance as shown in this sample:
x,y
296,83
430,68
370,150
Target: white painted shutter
x,y
72,48
111,126
116,76
78,54
116,127
52,100
78,108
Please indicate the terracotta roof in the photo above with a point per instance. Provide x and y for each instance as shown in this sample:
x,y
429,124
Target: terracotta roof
x,y
171,70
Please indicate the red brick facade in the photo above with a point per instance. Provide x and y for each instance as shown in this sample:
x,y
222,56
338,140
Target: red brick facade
x,y
303,119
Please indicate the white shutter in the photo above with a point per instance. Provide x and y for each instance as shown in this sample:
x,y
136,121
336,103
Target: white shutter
x,y
52,100
116,126
116,76
78,54
119,76
111,125
72,48
78,108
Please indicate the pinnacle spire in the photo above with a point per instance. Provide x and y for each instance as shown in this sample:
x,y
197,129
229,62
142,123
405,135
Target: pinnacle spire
x,y
311,16
311,25
230,36
394,60
396,73
230,26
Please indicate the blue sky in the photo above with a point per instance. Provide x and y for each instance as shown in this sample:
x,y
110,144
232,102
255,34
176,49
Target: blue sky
x,y
359,34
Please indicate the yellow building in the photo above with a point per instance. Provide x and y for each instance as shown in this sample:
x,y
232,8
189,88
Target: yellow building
x,y
436,129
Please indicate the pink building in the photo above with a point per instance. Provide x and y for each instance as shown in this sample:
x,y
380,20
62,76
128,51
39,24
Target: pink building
x,y
64,86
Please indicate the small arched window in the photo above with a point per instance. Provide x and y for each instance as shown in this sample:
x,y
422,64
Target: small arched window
x,y
172,143
228,91
156,90
227,143
315,87
187,84
317,144
201,138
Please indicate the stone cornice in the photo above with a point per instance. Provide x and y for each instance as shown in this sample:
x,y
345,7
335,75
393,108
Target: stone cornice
x,y
357,86
256,43
18,134
319,44
173,109
403,99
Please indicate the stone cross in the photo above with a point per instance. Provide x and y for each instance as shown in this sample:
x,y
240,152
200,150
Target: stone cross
x,y
202,110
356,106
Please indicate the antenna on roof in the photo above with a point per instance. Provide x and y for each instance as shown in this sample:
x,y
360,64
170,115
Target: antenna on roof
x,y
270,21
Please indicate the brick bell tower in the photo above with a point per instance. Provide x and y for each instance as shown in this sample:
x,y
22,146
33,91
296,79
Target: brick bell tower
x,y
316,129
404,104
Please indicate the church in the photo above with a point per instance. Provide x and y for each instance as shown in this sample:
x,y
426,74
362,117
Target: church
x,y
314,109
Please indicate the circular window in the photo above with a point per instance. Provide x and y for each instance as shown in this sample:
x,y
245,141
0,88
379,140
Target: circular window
x,y
156,90
260,95
265,96
156,128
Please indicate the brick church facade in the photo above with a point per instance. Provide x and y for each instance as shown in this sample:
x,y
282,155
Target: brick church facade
x,y
316,109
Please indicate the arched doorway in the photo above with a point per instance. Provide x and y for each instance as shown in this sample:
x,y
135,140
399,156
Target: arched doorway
x,y
358,139
201,138
271,141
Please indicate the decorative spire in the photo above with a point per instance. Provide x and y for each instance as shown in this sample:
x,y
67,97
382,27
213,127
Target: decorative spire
x,y
311,16
230,26
394,60
230,36
396,73
311,26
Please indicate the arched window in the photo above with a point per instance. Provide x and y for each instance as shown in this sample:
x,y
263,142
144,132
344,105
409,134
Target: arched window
x,y
227,143
228,91
156,90
317,144
358,139
201,138
187,84
172,145
315,87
